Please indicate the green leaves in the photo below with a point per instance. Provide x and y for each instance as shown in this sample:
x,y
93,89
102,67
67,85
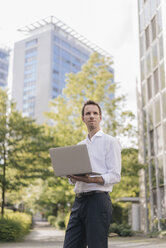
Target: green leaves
x,y
129,184
24,149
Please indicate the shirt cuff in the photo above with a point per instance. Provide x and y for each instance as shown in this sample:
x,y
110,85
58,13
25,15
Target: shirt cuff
x,y
105,178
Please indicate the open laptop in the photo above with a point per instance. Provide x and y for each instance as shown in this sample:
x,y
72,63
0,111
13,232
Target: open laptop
x,y
71,160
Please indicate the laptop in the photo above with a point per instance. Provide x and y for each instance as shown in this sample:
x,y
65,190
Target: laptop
x,y
71,160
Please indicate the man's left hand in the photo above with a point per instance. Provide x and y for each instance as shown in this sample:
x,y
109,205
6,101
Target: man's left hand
x,y
87,179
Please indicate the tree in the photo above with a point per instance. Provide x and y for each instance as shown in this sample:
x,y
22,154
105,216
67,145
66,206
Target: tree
x,y
23,149
129,184
94,81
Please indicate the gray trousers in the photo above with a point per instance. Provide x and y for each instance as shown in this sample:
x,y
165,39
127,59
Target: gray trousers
x,y
89,222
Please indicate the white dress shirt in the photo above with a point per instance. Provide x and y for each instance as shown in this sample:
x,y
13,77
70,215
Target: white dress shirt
x,y
105,156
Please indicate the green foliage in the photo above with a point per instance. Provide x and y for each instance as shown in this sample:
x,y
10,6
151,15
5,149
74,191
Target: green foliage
x,y
10,230
57,221
119,213
94,81
23,149
123,230
14,226
56,196
129,184
51,219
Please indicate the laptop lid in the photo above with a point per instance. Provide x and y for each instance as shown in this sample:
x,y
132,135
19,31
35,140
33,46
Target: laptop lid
x,y
71,160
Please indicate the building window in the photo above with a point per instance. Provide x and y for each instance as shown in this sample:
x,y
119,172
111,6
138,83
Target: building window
x,y
155,55
4,55
164,134
157,111
147,12
153,28
141,22
152,7
156,81
148,63
151,142
4,67
144,94
149,84
141,4
142,46
160,171
31,52
153,173
162,76
147,37
159,140
159,21
142,69
164,104
31,43
150,116
161,47
158,2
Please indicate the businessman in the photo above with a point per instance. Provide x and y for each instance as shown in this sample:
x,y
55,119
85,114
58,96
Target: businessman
x,y
92,209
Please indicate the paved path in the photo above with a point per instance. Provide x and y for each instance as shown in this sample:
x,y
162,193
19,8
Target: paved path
x,y
43,236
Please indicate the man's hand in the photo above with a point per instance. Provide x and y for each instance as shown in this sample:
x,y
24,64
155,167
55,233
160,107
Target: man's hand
x,y
87,179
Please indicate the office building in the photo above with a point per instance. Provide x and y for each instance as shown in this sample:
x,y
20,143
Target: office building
x,y
152,112
41,61
4,67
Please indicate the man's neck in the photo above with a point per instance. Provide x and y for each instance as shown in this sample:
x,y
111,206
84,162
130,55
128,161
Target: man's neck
x,y
91,133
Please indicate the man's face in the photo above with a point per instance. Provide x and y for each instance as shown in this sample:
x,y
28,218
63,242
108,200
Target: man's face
x,y
92,117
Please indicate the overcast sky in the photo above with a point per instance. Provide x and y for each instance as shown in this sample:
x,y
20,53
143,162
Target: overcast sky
x,y
110,24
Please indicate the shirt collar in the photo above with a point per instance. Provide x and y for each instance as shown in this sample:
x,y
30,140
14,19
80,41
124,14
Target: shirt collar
x,y
99,133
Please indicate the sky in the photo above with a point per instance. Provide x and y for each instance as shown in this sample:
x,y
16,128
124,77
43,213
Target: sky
x,y
110,24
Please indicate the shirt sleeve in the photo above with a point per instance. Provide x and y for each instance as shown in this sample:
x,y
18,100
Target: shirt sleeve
x,y
113,163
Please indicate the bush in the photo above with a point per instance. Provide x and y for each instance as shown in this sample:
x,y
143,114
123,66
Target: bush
x,y
14,226
52,220
61,224
123,230
58,222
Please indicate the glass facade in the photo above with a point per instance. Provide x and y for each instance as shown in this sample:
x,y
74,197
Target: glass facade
x,y
4,67
49,53
66,58
30,68
153,87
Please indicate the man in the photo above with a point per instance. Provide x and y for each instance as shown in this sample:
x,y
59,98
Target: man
x,y
91,212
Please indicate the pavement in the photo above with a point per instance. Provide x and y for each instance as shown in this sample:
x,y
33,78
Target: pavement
x,y
44,236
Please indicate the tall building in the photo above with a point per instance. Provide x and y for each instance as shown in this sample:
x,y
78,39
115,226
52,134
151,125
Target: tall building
x,y
4,67
41,61
152,114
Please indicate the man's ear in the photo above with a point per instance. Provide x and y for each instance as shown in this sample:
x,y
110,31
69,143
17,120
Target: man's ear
x,y
83,118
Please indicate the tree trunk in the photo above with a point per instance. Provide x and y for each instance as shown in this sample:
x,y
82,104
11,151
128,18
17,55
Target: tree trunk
x,y
3,186
3,199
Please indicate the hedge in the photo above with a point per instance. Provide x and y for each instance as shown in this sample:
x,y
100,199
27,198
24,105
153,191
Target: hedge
x,y
14,226
123,230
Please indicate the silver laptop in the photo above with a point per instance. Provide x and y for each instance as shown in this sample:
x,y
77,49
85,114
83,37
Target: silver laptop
x,y
71,160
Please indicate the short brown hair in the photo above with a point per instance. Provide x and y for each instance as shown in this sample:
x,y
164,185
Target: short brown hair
x,y
90,102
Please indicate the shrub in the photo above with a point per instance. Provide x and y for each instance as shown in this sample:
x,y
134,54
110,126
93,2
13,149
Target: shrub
x,y
57,221
61,224
123,230
52,220
14,226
